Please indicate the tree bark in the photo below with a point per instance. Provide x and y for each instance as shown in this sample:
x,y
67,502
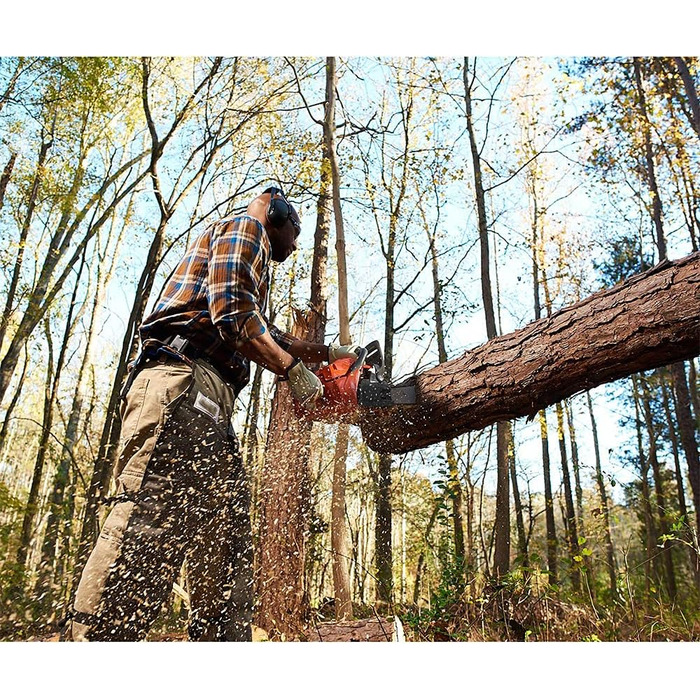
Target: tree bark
x,y
656,212
5,179
648,321
691,92
609,551
570,517
552,562
502,525
686,426
283,607
340,540
649,526
659,489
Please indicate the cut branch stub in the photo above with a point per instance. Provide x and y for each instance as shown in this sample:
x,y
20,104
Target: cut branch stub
x,y
650,320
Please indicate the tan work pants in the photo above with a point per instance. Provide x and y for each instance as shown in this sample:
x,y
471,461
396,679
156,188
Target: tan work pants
x,y
182,491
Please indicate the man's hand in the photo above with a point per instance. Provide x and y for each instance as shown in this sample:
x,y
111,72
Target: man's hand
x,y
338,352
306,387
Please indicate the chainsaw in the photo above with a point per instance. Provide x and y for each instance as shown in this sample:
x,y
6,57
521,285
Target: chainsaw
x,y
351,384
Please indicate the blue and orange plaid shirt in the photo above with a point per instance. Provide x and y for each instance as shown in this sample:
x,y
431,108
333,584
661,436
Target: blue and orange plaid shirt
x,y
217,295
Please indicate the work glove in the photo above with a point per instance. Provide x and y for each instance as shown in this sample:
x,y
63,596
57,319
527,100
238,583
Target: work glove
x,y
305,386
338,352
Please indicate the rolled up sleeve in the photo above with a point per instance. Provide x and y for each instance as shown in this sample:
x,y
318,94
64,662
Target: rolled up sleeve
x,y
237,262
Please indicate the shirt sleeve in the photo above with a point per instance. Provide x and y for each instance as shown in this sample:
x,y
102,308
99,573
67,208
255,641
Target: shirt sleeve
x,y
237,263
284,340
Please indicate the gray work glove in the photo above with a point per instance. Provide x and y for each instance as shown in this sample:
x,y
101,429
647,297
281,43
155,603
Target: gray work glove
x,y
338,352
306,387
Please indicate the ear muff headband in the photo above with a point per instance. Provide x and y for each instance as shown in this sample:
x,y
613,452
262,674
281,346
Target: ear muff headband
x,y
278,211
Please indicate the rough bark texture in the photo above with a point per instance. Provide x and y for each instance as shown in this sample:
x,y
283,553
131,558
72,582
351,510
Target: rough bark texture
x,y
284,509
648,321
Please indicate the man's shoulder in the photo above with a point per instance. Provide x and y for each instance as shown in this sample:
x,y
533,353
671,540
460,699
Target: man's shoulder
x,y
246,230
242,222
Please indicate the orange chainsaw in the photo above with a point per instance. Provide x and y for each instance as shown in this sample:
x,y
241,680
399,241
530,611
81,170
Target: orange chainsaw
x,y
350,384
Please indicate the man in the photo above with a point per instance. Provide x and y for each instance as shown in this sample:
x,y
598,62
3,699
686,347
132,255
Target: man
x,y
181,486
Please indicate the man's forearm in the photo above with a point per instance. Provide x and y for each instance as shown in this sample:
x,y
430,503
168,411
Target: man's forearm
x,y
309,352
264,351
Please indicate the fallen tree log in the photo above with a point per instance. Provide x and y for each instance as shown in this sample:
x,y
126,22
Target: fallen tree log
x,y
650,320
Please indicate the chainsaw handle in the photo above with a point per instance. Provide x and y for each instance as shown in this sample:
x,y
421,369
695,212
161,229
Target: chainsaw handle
x,y
357,364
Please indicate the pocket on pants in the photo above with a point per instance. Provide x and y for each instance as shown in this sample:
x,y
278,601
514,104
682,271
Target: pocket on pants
x,y
155,394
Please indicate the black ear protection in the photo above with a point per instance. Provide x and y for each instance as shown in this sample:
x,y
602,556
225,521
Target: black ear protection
x,y
279,210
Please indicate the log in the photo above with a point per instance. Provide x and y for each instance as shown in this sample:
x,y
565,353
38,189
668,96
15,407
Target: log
x,y
377,629
650,320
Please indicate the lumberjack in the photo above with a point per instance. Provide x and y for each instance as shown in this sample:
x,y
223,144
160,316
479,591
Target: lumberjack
x,y
181,485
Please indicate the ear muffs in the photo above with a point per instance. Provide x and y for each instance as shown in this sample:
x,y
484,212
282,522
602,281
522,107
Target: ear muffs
x,y
279,210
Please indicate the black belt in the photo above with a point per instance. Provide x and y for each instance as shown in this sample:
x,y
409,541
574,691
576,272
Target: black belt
x,y
183,346
179,347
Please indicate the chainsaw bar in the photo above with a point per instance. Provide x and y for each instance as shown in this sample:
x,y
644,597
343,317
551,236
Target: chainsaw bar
x,y
378,394
373,390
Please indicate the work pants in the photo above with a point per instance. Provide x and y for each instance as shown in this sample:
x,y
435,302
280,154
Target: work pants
x,y
181,492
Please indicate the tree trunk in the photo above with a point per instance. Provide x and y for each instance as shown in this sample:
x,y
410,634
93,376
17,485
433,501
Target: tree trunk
x,y
570,518
421,556
587,564
659,489
283,607
24,232
340,540
552,561
686,426
649,525
5,427
680,486
453,484
610,553
502,526
690,90
6,175
519,520
650,320
656,212
31,508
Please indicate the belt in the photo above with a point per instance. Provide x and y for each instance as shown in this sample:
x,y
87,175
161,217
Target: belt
x,y
183,346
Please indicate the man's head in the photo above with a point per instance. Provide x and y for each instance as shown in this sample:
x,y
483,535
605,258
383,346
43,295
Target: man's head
x,y
280,220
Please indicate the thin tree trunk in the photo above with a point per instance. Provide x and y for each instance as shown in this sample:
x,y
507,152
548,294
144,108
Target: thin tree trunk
x,y
6,175
570,519
340,540
680,486
502,526
587,563
24,232
519,520
454,484
33,499
5,427
686,426
656,212
690,90
649,526
552,558
659,490
610,553
421,557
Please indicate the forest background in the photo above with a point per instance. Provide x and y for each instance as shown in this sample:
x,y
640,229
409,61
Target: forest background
x,y
564,151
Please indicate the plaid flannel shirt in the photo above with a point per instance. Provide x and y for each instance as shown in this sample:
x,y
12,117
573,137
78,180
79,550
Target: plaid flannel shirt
x,y
217,295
